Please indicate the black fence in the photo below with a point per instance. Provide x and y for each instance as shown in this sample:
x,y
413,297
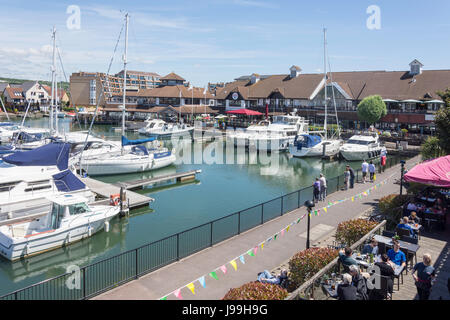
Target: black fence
x,y
106,274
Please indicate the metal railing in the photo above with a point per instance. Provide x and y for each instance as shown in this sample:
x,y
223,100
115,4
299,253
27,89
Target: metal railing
x,y
114,271
311,289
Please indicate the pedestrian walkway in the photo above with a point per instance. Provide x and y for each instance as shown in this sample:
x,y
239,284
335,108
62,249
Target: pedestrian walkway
x,y
166,280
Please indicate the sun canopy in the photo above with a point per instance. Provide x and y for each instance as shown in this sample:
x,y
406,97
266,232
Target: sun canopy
x,y
66,181
433,172
48,155
246,112
126,142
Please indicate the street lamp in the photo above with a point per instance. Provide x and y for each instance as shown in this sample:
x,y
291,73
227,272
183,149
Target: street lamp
x,y
402,172
308,204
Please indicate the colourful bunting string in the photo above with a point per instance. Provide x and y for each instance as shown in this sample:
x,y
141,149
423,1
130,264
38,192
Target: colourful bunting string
x,y
214,275
191,287
224,269
250,253
255,250
202,281
242,259
233,263
177,294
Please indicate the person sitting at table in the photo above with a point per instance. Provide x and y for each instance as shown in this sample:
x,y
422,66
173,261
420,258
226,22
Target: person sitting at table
x,y
346,291
413,218
425,274
439,206
371,248
405,225
345,257
396,255
359,282
386,270
411,207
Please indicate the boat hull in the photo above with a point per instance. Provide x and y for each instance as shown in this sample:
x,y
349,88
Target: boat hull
x,y
50,240
358,155
332,148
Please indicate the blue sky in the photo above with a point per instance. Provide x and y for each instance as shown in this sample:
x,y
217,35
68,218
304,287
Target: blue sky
x,y
219,40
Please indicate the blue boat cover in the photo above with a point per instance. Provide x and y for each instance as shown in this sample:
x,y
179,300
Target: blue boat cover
x,y
29,137
66,181
126,142
6,124
138,149
48,155
309,141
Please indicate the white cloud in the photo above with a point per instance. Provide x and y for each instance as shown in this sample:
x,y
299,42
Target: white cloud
x,y
259,4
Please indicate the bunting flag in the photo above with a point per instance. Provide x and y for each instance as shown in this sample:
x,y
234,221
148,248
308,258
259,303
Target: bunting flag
x,y
298,221
163,298
224,269
353,199
287,229
250,253
177,294
214,275
242,259
191,287
275,237
262,245
255,250
325,209
202,281
233,263
282,232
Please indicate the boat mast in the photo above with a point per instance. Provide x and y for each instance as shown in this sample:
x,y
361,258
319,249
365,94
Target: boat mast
x,y
125,73
325,78
53,79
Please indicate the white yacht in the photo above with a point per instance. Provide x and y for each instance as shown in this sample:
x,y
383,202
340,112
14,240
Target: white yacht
x,y
360,147
318,143
306,145
160,129
134,158
270,136
31,138
70,219
27,178
7,129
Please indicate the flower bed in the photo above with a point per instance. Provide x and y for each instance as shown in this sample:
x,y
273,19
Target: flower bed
x,y
351,231
304,264
256,291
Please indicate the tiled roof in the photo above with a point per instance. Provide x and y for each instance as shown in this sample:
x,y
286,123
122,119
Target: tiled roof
x,y
172,76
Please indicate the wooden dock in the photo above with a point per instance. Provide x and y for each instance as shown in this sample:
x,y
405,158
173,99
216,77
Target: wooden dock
x,y
179,177
134,200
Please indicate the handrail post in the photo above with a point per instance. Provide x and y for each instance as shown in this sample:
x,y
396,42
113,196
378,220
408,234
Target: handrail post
x,y
178,246
137,266
211,235
239,222
84,283
282,198
262,213
298,205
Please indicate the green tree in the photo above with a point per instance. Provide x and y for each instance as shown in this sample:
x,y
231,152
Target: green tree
x,y
442,122
371,109
431,149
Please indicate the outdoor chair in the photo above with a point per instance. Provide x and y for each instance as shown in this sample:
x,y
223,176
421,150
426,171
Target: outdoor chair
x,y
388,234
403,232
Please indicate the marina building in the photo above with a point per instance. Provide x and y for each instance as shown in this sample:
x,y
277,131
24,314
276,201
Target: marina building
x,y
411,96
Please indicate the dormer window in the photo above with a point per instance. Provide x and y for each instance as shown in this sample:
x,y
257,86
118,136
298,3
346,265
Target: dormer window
x,y
415,67
255,78
295,71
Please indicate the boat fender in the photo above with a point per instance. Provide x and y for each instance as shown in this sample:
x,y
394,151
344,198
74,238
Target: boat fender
x,y
89,231
27,248
107,226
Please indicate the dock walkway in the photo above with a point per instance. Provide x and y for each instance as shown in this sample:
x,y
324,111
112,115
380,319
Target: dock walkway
x,y
177,275
180,176
135,200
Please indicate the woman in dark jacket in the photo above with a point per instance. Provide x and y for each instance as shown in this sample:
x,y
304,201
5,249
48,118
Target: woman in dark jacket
x,y
346,291
425,274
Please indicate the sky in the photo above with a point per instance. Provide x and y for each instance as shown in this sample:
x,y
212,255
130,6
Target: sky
x,y
219,40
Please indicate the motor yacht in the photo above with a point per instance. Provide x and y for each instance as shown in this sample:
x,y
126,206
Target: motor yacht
x,y
362,147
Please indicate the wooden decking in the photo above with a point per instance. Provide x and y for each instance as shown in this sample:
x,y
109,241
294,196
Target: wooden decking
x,y
180,176
436,243
103,189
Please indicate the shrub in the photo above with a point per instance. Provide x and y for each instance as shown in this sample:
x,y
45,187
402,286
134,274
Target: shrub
x,y
256,291
305,264
351,231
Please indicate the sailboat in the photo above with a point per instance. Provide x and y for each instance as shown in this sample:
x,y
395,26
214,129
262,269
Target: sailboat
x,y
315,144
134,156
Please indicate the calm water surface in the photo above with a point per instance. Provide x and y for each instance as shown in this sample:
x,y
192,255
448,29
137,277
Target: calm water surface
x,y
220,189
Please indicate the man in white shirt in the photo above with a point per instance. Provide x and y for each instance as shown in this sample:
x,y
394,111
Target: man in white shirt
x,y
365,169
323,187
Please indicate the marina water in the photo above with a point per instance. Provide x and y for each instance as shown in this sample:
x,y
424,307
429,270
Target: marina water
x,y
220,189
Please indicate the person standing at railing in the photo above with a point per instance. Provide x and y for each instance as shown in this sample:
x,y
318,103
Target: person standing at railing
x,y
372,171
323,187
316,190
347,178
365,169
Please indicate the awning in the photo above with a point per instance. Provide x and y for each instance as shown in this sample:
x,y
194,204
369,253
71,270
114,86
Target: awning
x,y
433,172
246,112
390,100
412,101
435,101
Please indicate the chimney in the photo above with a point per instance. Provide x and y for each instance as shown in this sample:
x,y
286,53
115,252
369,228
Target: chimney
x,y
295,71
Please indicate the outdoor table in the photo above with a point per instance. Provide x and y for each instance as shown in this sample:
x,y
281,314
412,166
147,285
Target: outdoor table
x,y
361,259
432,200
332,293
411,247
416,227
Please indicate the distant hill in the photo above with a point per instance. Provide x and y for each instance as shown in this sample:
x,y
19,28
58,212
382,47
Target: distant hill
x,y
65,85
